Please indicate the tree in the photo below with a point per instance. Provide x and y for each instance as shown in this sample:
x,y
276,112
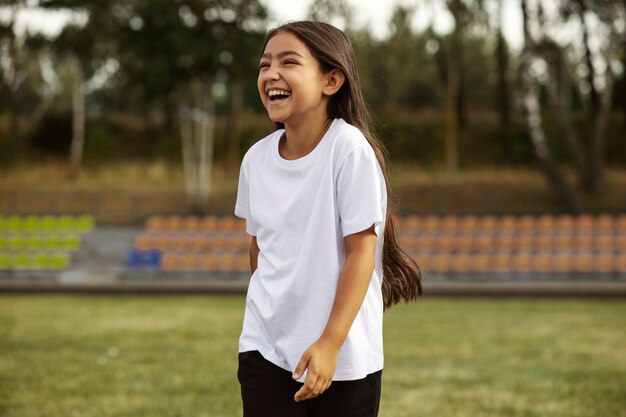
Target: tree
x,y
198,42
503,94
589,72
532,105
85,46
12,74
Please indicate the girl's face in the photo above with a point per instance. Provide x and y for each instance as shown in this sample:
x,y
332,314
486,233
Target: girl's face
x,y
291,84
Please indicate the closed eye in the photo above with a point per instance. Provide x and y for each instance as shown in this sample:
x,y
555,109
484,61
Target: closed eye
x,y
263,65
289,61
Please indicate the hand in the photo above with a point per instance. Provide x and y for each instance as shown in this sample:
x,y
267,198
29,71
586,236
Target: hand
x,y
321,360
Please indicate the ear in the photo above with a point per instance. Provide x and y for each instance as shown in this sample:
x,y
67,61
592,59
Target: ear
x,y
334,80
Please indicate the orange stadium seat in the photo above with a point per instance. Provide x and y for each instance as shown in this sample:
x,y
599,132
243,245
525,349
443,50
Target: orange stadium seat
x,y
468,224
544,241
426,242
208,262
143,241
521,262
505,241
487,224
507,223
155,224
446,243
461,263
465,242
583,262
484,243
620,263
524,241
604,262
440,262
450,223
620,223
208,223
192,223
481,262
584,222
410,223
409,242
546,223
603,242
430,224
542,262
564,241
170,261
565,223
604,222
237,242
584,240
526,224
563,262
502,262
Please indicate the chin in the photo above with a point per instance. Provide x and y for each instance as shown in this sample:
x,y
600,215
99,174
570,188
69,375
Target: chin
x,y
276,119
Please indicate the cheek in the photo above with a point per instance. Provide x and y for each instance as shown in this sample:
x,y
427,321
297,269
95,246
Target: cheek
x,y
261,88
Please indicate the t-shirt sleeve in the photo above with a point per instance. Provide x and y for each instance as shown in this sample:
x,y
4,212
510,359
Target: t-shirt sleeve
x,y
242,206
359,192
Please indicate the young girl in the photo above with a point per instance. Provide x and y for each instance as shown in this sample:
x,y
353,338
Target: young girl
x,y
324,256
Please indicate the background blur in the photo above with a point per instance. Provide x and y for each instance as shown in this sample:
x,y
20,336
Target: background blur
x,y
156,100
122,128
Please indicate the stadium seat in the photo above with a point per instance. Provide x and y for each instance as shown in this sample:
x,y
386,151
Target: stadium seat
x,y
144,259
604,262
563,262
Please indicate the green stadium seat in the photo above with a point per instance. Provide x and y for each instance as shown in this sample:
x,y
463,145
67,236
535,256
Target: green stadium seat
x,y
5,261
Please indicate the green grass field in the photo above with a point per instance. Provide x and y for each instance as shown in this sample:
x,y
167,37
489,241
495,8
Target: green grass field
x,y
177,356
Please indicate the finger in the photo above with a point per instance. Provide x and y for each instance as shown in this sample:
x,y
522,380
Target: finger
x,y
305,390
316,390
302,365
330,381
319,387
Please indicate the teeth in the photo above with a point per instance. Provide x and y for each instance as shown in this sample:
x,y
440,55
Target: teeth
x,y
275,93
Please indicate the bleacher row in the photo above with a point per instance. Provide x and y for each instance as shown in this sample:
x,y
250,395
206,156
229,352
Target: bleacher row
x,y
441,244
41,243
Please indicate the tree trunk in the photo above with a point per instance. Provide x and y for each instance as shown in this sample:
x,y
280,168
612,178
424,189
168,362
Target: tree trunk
x,y
563,114
502,61
14,79
565,193
452,94
197,134
78,119
234,125
598,147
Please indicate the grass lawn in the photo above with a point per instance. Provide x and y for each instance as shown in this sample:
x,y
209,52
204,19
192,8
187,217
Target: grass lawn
x,y
176,356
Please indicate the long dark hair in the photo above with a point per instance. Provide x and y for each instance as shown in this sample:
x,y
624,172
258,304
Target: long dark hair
x,y
402,278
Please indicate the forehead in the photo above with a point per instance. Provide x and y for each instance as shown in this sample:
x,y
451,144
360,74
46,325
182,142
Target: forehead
x,y
283,42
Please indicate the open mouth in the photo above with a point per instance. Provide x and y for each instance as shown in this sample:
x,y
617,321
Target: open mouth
x,y
278,95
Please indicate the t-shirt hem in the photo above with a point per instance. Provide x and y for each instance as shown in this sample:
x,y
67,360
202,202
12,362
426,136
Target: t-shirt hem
x,y
351,229
339,374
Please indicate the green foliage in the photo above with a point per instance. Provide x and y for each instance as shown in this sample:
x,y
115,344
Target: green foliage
x,y
53,135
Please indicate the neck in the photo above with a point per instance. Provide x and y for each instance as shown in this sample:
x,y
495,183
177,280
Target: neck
x,y
302,138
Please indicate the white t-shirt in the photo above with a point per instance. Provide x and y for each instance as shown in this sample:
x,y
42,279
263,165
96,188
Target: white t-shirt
x,y
300,211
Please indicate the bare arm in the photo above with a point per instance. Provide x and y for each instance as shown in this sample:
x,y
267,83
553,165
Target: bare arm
x,y
321,357
254,254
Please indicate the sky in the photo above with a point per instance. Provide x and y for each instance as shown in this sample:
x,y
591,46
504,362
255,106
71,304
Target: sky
x,y
374,13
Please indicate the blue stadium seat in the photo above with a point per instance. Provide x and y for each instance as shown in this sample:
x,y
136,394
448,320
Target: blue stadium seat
x,y
144,259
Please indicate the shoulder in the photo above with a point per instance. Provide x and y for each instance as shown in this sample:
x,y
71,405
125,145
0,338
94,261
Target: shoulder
x,y
261,147
349,140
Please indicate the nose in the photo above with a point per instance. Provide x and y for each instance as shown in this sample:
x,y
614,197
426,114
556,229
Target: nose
x,y
270,73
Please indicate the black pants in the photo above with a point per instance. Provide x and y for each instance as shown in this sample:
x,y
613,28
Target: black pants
x,y
267,390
